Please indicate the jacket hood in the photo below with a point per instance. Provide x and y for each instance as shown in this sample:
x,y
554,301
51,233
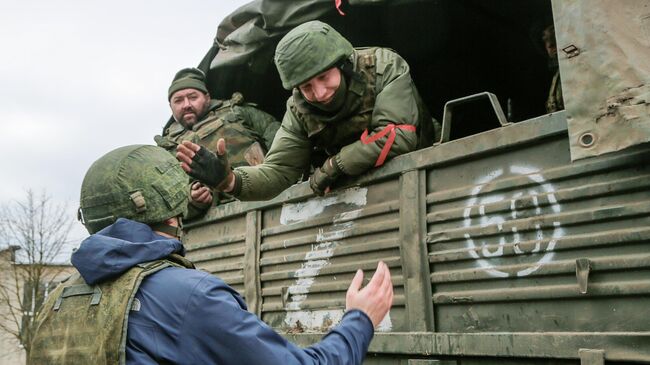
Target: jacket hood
x,y
115,249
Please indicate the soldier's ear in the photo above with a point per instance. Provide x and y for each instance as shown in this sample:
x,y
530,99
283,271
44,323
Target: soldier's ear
x,y
208,95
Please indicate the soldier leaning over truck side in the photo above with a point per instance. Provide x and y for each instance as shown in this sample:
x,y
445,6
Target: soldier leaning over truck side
x,y
350,110
136,300
249,131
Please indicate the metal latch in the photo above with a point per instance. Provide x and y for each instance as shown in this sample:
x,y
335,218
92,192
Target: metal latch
x,y
571,51
583,267
284,292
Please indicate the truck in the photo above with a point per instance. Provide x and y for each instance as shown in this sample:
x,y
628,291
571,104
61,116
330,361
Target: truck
x,y
519,237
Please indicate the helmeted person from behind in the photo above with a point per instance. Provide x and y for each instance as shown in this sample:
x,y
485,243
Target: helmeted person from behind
x,y
248,131
137,300
350,110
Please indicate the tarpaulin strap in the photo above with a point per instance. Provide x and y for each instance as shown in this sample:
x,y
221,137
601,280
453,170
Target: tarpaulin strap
x,y
390,128
338,6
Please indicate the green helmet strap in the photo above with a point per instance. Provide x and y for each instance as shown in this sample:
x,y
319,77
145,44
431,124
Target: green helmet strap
x,y
170,230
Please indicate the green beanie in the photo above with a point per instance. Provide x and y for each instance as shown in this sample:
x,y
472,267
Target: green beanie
x,y
187,78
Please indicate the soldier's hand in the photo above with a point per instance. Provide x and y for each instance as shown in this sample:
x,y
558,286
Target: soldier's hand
x,y
321,180
207,167
201,194
376,298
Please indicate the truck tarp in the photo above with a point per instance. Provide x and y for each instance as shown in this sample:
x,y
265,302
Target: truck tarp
x,y
605,73
249,29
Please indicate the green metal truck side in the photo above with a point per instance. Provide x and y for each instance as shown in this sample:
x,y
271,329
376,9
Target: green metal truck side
x,y
527,243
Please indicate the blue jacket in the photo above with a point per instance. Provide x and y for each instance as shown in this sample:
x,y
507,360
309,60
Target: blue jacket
x,y
192,317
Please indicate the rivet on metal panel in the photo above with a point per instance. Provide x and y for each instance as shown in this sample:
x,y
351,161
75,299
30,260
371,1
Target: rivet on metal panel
x,y
587,139
284,292
571,51
583,266
591,357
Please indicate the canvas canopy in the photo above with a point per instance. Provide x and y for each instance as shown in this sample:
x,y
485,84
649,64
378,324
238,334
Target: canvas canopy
x,y
604,50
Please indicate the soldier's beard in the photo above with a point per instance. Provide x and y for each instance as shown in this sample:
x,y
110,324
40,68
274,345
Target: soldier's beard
x,y
197,115
186,122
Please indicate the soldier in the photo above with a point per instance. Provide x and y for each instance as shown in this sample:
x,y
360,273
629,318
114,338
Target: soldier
x,y
137,300
249,132
555,100
350,110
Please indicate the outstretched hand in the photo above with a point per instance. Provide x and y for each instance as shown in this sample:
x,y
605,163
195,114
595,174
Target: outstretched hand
x,y
205,166
185,152
376,298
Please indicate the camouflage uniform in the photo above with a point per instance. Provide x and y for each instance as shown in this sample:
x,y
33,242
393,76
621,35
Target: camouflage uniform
x,y
248,131
381,98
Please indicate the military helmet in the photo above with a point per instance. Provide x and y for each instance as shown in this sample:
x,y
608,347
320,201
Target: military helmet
x,y
308,50
139,182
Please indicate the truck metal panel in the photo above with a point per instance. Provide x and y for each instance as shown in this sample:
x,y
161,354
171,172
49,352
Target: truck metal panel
x,y
517,239
501,249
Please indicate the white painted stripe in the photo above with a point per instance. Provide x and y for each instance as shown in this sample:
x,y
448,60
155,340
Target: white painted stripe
x,y
300,212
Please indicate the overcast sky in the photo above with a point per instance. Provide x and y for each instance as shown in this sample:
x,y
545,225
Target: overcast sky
x,y
81,77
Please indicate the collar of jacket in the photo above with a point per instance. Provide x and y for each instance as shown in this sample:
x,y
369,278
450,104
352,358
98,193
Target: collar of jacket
x,y
318,119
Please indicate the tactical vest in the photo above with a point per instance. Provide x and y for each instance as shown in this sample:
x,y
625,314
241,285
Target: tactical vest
x,y
83,324
222,121
329,134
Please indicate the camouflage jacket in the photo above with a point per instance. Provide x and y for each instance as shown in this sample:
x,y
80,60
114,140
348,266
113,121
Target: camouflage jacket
x,y
381,98
248,131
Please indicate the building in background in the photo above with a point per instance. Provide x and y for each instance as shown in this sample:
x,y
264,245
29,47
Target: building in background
x,y
11,350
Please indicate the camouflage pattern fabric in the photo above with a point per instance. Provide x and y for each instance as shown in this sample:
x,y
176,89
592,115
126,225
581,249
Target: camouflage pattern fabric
x,y
138,182
82,324
380,93
308,50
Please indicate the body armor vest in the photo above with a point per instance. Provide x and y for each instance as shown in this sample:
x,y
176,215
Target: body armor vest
x,y
222,121
84,324
329,134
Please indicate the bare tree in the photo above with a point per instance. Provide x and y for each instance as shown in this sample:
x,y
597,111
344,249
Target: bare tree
x,y
36,231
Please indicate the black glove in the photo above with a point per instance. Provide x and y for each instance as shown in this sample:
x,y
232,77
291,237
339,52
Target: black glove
x,y
209,168
324,176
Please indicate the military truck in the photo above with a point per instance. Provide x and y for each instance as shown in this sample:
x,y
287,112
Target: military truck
x,y
520,237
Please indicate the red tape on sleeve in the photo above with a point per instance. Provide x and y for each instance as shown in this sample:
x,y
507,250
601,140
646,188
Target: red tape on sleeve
x,y
390,128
